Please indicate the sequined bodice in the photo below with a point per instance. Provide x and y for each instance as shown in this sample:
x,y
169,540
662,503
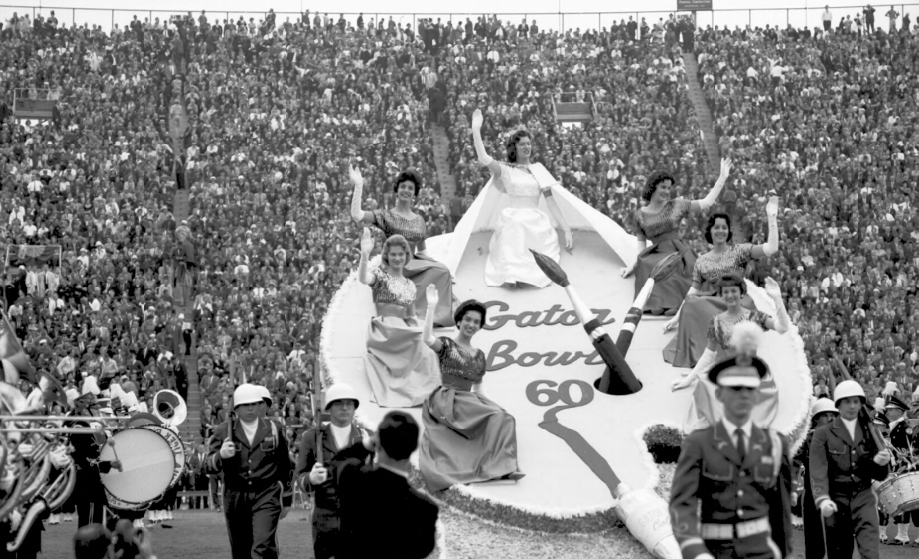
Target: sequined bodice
x,y
721,327
388,289
414,230
458,362
521,186
710,266
653,225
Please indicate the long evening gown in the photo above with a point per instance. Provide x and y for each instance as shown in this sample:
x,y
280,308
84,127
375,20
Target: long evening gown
x,y
521,227
401,368
421,269
688,345
704,409
662,229
467,437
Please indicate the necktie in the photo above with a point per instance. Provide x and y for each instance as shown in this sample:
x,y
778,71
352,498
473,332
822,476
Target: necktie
x,y
741,450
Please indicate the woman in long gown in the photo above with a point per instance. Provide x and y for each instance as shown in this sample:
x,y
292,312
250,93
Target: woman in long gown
x,y
702,303
522,226
402,371
659,222
401,220
704,409
467,437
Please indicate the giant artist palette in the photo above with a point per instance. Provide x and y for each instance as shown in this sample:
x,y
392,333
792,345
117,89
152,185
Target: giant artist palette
x,y
540,359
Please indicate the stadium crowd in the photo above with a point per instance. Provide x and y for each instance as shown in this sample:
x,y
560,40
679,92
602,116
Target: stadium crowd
x,y
278,110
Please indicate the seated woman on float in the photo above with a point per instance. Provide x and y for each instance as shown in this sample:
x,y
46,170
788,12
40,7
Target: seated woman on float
x,y
467,437
401,220
402,371
659,222
522,226
723,331
702,303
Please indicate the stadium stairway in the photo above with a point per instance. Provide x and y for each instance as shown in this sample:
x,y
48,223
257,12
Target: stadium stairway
x,y
191,429
441,143
703,111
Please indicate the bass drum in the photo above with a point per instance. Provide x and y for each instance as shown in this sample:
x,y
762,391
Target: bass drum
x,y
175,443
147,464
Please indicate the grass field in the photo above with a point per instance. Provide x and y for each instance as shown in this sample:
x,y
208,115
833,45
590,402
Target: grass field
x,y
203,535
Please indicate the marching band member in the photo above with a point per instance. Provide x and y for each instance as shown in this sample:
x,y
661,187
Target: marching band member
x,y
731,494
252,455
328,440
895,410
822,412
89,493
844,459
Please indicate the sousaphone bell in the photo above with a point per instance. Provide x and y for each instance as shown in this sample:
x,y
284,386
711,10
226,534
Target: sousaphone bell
x,y
169,408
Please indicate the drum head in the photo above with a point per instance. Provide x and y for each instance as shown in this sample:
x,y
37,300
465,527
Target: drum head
x,y
175,443
147,466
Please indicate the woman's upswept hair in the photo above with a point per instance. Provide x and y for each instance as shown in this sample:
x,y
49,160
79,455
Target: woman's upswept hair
x,y
513,140
711,225
408,175
655,179
396,240
732,280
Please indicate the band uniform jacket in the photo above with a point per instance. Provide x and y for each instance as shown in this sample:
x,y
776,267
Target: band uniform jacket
x,y
841,464
255,467
381,514
709,473
325,493
906,443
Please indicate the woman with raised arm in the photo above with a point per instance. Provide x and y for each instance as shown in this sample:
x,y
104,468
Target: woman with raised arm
x,y
522,226
402,371
467,437
702,301
401,220
659,222
704,410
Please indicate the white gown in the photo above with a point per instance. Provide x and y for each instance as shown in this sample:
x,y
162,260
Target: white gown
x,y
520,227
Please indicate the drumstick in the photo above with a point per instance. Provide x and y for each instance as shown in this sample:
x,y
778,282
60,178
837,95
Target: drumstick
x,y
111,443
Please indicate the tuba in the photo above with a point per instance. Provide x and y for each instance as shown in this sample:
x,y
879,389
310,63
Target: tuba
x,y
169,408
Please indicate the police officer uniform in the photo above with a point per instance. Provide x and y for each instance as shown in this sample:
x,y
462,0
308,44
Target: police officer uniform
x,y
256,480
731,493
842,468
326,522
814,545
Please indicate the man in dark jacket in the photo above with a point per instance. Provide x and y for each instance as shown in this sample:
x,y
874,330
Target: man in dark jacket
x,y
252,454
381,514
844,460
318,452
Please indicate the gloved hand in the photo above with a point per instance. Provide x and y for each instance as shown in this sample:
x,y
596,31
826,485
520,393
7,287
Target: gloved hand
x,y
882,458
60,458
15,520
228,450
827,508
319,474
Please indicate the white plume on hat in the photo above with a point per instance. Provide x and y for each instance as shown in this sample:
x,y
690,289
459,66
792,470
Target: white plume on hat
x,y
746,338
90,385
879,404
890,389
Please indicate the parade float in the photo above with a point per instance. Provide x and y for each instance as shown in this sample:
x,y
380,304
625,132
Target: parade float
x,y
582,448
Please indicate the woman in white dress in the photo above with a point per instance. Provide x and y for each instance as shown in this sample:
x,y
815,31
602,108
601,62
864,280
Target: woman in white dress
x,y
522,226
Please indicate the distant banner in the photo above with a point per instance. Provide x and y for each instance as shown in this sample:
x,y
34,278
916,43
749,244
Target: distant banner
x,y
693,5
33,255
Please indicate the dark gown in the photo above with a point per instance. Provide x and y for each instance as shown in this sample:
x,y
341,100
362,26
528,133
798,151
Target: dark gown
x,y
705,410
688,345
467,437
422,270
662,229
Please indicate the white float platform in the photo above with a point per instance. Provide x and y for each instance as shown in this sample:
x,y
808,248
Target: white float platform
x,y
557,482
